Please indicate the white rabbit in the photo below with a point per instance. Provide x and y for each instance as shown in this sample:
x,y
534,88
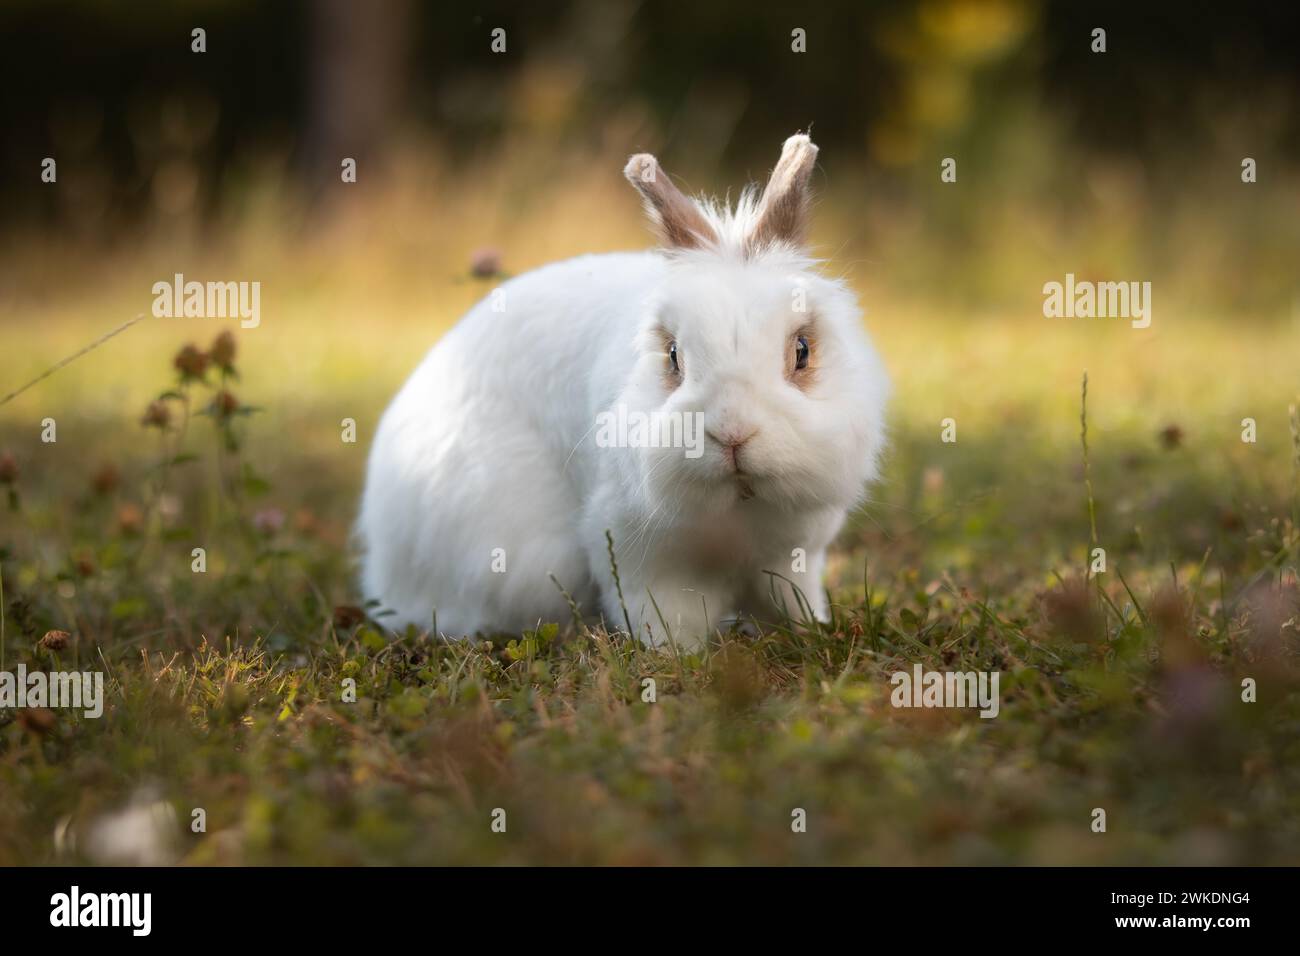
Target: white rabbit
x,y
501,461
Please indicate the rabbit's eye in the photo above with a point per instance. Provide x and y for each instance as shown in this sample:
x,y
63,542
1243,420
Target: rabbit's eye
x,y
801,352
672,356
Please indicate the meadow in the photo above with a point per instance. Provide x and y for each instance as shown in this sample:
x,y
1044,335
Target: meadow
x,y
1121,689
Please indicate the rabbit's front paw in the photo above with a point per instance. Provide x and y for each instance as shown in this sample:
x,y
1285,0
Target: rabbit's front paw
x,y
674,616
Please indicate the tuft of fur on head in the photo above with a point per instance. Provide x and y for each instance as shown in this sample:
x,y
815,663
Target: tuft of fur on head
x,y
732,226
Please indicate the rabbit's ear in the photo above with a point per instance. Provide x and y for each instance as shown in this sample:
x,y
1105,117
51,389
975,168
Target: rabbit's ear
x,y
678,221
783,210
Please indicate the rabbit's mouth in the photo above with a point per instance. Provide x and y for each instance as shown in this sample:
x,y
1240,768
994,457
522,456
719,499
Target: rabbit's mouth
x,y
738,477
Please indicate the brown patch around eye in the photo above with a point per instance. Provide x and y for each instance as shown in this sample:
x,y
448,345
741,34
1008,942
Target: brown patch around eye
x,y
801,378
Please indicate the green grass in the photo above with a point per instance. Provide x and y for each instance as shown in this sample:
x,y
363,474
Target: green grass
x,y
1120,690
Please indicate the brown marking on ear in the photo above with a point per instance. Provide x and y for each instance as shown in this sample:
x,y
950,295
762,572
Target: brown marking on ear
x,y
677,221
783,210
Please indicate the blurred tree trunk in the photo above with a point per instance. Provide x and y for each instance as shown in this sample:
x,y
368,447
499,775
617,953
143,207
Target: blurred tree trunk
x,y
357,63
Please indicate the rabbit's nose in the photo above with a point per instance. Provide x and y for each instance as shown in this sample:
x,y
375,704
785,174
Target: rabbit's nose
x,y
731,437
731,440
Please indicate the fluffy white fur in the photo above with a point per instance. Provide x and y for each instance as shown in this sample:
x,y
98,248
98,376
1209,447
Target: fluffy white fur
x,y
491,443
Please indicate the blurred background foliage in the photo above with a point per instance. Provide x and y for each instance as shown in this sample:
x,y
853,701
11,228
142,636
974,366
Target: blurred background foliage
x,y
1106,165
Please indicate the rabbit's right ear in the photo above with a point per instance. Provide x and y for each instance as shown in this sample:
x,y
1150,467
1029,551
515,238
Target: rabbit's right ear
x,y
678,221
783,210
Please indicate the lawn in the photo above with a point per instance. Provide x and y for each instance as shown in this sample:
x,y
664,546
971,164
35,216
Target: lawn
x,y
230,691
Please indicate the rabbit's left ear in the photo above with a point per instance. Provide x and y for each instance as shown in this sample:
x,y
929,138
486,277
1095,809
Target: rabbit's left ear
x,y
783,210
676,219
